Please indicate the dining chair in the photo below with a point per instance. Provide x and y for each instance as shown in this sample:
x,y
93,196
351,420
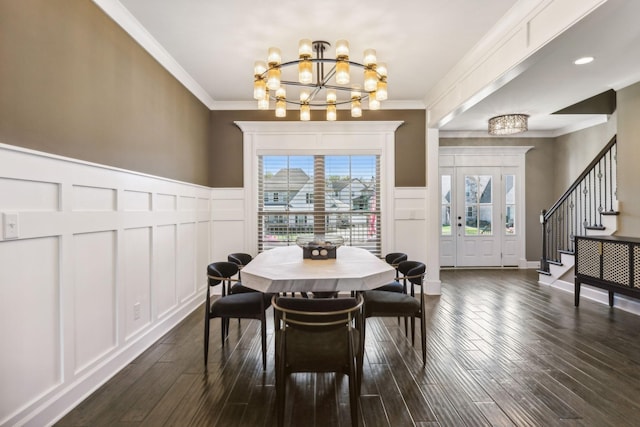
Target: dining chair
x,y
240,259
393,259
245,305
393,304
318,335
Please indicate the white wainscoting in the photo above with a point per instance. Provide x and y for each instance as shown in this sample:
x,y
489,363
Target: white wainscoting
x,y
106,262
410,222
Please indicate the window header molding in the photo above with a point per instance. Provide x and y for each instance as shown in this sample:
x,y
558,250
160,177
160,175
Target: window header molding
x,y
360,127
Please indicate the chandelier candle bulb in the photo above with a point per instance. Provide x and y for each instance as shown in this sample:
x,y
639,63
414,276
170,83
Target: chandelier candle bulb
x,y
274,56
304,96
374,104
381,90
370,80
305,48
259,88
342,50
305,112
370,58
259,68
281,108
263,104
331,113
331,96
356,107
273,79
305,72
342,72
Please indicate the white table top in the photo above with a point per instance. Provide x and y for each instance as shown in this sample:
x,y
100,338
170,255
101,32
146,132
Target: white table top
x,y
284,270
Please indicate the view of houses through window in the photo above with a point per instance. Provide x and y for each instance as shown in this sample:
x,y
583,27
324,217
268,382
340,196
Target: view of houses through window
x,y
319,195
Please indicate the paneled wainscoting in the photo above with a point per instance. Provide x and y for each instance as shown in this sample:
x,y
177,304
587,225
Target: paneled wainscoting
x,y
102,263
502,350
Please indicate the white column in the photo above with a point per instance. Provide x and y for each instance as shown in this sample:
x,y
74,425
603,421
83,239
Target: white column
x,y
432,284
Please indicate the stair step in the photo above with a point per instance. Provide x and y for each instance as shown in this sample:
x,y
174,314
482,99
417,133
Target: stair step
x,y
566,252
550,261
610,213
595,227
546,273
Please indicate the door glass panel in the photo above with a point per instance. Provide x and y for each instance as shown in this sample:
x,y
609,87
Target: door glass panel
x,y
510,204
445,210
478,204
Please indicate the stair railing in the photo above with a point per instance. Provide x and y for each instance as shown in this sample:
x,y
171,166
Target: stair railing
x,y
581,207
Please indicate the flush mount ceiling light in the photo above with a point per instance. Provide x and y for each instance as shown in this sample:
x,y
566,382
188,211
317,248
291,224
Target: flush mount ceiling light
x,y
508,124
275,80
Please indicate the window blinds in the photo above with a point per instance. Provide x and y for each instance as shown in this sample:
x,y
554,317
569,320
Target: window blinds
x,y
319,195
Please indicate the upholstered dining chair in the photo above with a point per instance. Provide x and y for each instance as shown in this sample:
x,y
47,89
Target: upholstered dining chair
x,y
392,304
393,259
244,305
240,259
318,335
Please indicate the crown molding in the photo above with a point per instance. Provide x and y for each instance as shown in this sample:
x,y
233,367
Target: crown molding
x,y
251,105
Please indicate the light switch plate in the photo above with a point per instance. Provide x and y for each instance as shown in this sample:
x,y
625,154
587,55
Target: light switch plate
x,y
10,222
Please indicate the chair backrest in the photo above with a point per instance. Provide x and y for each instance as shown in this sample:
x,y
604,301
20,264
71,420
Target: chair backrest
x,y
239,258
413,271
316,313
221,273
317,334
395,258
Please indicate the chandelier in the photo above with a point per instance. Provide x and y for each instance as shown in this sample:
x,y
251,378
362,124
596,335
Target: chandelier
x,y
508,124
275,80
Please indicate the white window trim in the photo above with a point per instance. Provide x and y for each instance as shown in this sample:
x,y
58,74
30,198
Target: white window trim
x,y
326,138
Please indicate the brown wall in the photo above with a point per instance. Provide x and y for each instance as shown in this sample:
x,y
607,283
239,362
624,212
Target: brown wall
x,y
628,160
73,83
226,142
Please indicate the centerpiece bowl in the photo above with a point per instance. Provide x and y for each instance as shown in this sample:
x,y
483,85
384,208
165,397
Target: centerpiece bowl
x,y
319,247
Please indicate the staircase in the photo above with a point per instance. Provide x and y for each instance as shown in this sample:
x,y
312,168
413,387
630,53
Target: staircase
x,y
589,207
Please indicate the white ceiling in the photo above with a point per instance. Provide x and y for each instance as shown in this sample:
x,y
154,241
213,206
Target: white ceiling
x,y
217,42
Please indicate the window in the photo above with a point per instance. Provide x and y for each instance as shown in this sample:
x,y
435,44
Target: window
x,y
478,204
445,210
326,195
510,204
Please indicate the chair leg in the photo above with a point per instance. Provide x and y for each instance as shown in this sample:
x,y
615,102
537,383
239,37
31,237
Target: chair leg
x,y
423,338
206,337
406,327
263,331
413,330
222,330
281,387
353,399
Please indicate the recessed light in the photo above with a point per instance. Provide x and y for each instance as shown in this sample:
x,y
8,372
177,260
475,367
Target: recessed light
x,y
583,60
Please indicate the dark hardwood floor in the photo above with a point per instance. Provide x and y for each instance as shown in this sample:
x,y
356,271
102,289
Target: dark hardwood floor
x,y
502,350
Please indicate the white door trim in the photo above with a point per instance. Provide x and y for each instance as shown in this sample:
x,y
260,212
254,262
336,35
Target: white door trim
x,y
502,156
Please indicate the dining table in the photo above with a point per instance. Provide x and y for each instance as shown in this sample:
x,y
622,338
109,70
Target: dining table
x,y
284,269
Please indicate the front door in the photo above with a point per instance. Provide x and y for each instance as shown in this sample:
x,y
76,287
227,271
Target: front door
x,y
478,217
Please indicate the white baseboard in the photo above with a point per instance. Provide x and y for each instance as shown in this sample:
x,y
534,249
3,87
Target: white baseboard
x,y
621,302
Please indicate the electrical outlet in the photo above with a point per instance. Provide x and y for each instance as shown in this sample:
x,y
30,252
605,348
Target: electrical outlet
x,y
11,230
136,311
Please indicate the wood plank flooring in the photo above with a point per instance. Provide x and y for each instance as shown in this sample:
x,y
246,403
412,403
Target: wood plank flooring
x,y
501,351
